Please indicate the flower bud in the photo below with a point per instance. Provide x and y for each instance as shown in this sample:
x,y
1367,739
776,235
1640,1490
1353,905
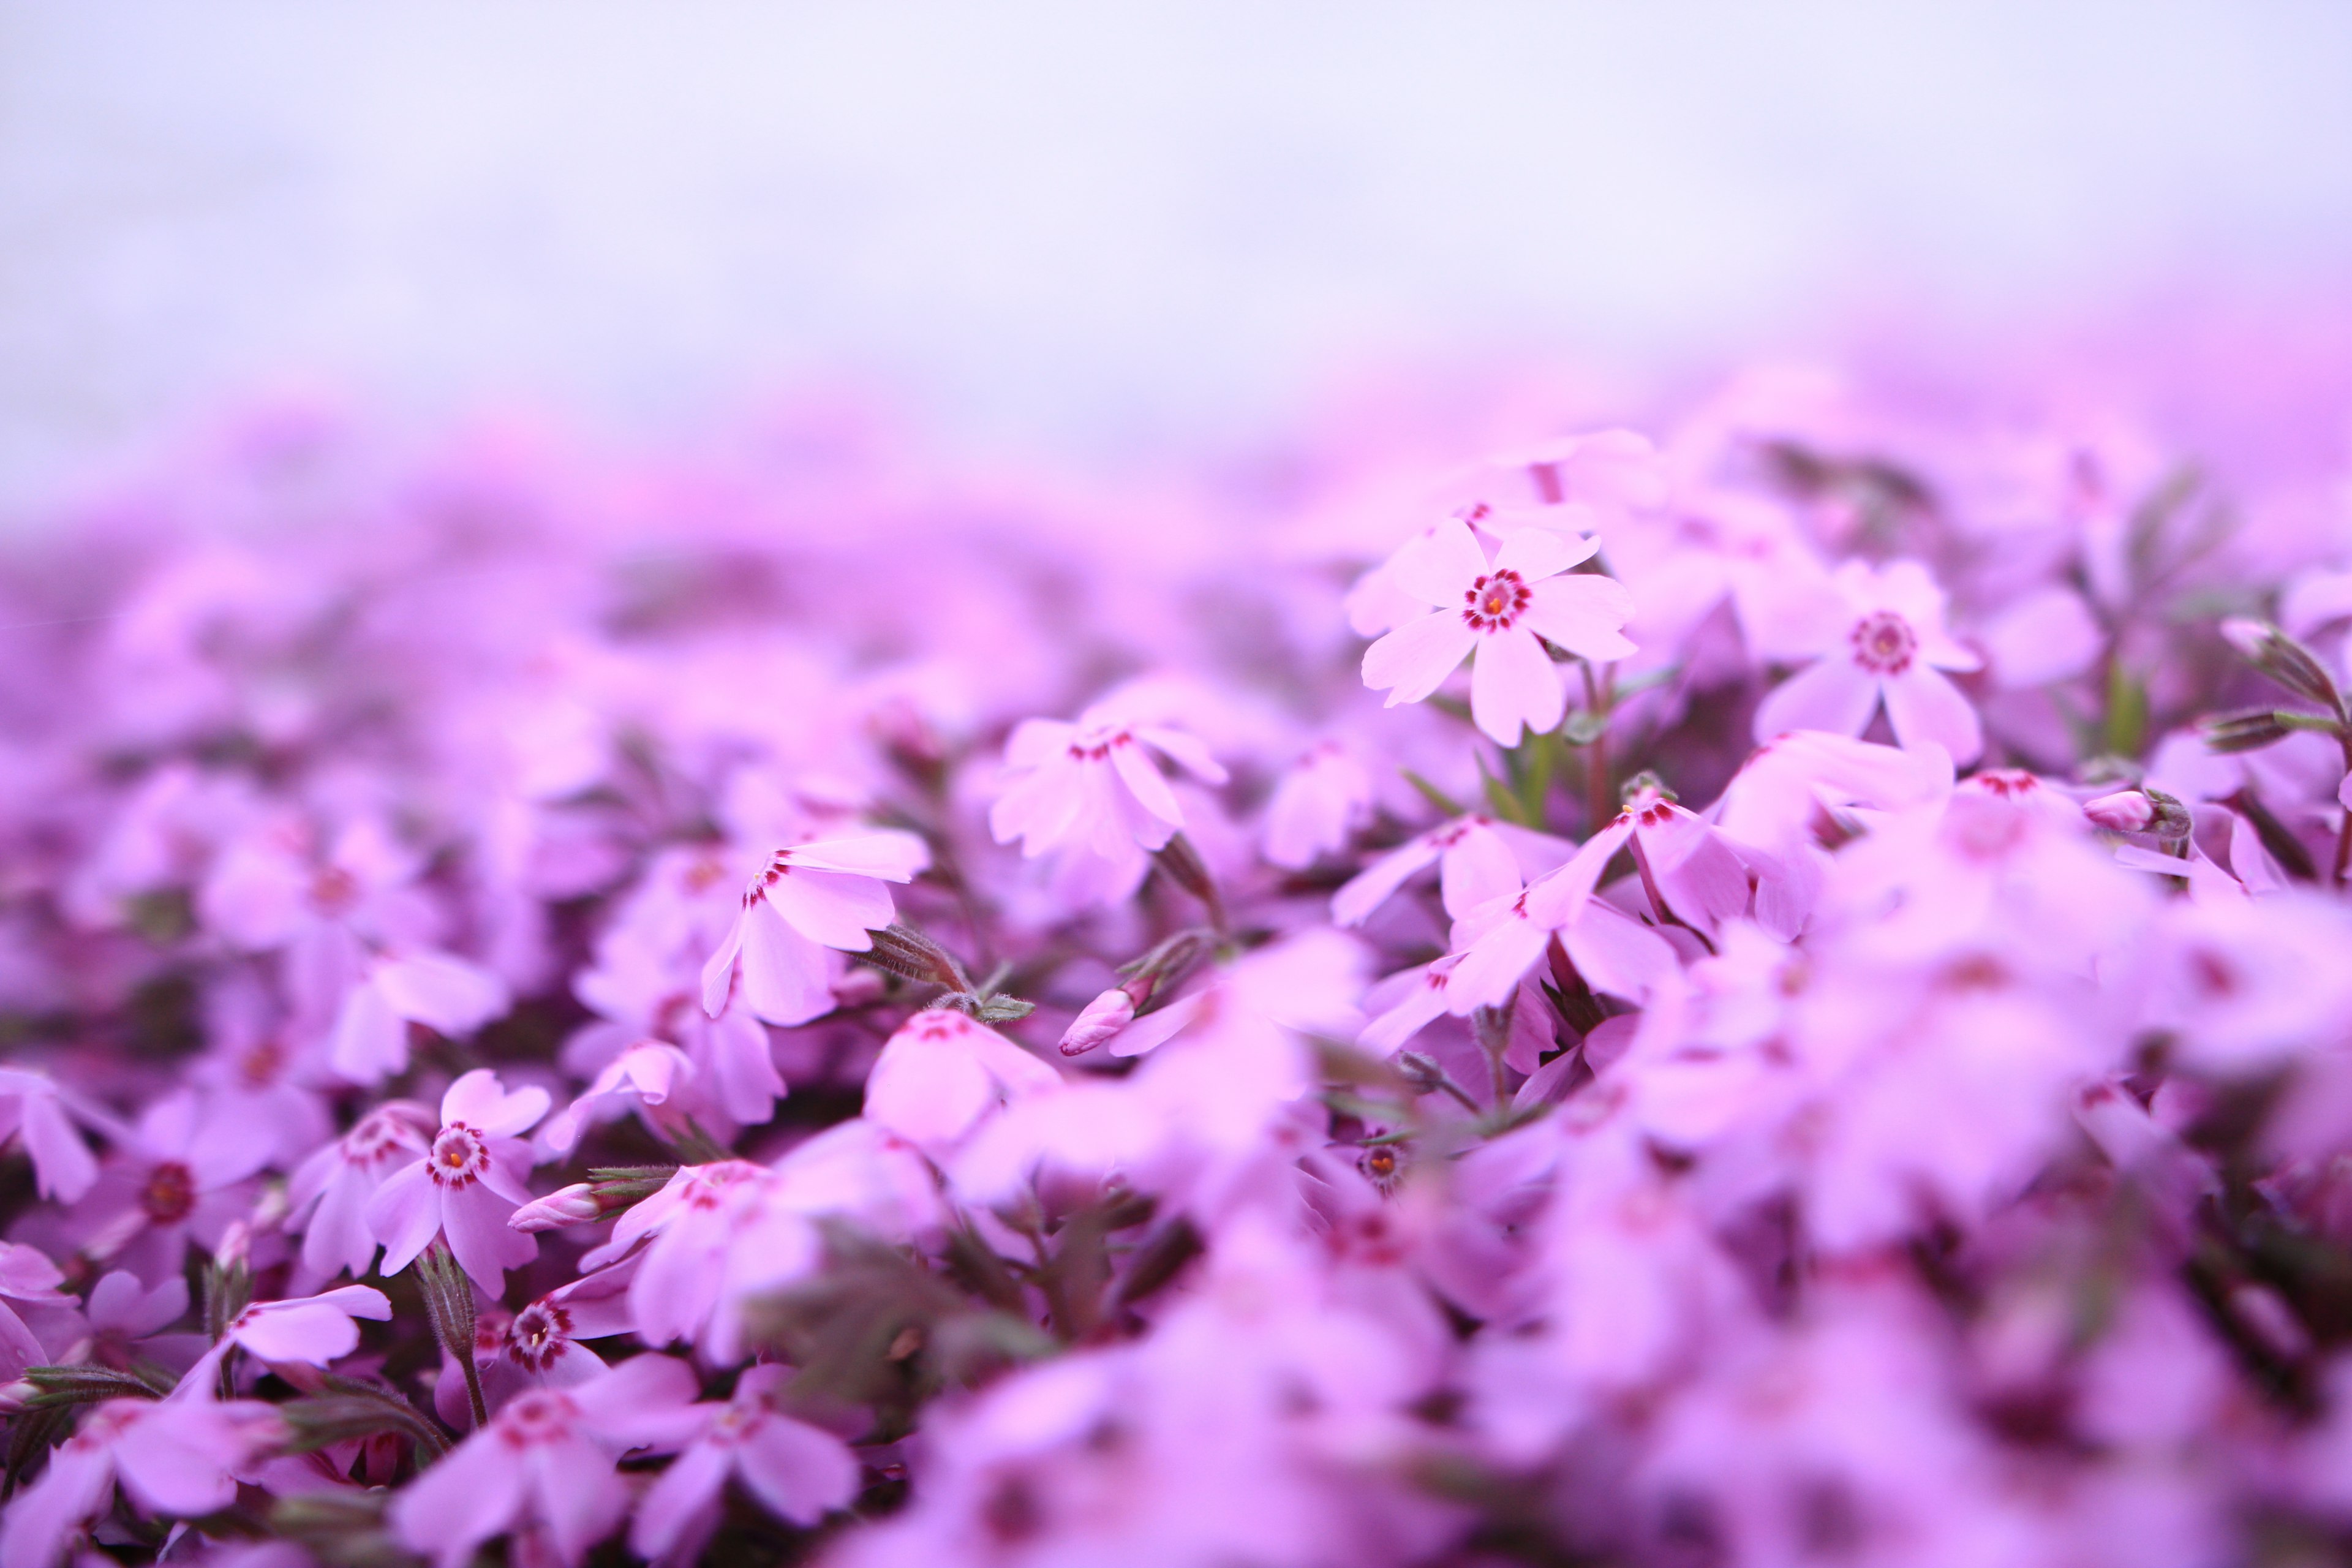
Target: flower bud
x,y
2125,811
2283,660
574,1205
2243,732
1104,1016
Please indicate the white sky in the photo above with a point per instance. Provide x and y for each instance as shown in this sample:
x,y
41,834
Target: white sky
x,y
1085,226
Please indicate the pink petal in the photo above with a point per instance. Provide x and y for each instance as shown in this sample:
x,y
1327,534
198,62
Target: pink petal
x,y
472,1495
1372,887
892,856
1515,682
1156,1029
28,1274
646,1402
1619,956
831,908
1187,752
1540,552
786,979
174,1460
474,1222
743,1069
1142,779
1034,740
18,1348
718,970
1926,708
63,1167
926,1092
1493,965
1581,614
680,1501
76,1485
1438,567
797,1470
1419,1001
337,1237
310,1331
405,1215
1413,660
120,1303
1038,809
369,1041
444,993
1017,1069
580,1500
480,1100
1478,868
1834,694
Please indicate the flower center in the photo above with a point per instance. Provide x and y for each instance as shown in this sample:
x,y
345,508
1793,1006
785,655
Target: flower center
x,y
169,1195
1883,643
378,1137
334,890
543,1415
259,1065
1495,600
538,1336
1095,745
459,1156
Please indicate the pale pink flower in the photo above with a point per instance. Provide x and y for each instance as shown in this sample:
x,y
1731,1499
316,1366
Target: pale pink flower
x,y
646,1077
942,1072
1325,796
1681,859
179,1176
127,1321
538,1347
1890,647
1507,610
799,1471
330,1190
467,1183
545,1464
1092,792
175,1458
33,1107
1478,859
811,900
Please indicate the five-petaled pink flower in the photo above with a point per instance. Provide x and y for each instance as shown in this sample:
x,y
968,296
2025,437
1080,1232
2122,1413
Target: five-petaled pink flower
x,y
545,1463
809,901
1505,609
467,1184
1092,792
800,1471
1890,647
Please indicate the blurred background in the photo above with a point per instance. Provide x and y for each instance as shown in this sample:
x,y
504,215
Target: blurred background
x,y
1087,231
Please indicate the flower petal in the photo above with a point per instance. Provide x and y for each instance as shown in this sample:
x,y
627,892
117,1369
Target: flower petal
x,y
1437,567
1413,660
1515,682
1581,614
1833,694
1926,708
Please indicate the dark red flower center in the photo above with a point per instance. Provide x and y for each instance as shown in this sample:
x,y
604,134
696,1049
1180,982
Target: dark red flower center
x,y
1883,643
1494,601
170,1193
459,1156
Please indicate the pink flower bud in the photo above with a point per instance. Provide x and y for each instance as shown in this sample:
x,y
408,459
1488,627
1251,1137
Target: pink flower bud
x,y
1104,1016
2125,811
574,1205
2249,637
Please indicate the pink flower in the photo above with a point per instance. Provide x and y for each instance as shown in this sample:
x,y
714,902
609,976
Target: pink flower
x,y
645,1077
1092,791
539,1346
801,1472
1683,862
1324,797
1479,861
311,1329
1891,648
330,1190
178,1177
545,1463
465,1185
32,1107
812,900
942,1072
127,1322
177,1459
1506,611
1099,1020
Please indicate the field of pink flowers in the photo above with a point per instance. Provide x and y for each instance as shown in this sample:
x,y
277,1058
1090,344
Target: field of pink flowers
x,y
1766,980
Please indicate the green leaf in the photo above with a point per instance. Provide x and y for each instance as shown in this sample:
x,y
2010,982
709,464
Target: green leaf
x,y
1432,794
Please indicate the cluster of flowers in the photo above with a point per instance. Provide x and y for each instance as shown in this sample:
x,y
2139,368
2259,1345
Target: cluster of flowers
x,y
1774,989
